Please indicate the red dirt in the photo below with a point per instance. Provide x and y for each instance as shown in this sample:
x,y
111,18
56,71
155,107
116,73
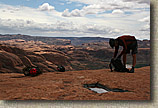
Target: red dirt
x,y
69,85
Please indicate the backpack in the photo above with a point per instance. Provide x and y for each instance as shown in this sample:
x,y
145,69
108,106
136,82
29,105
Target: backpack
x,y
61,68
118,66
31,71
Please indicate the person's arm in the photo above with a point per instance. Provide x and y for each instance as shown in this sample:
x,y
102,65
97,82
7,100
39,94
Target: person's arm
x,y
123,51
116,51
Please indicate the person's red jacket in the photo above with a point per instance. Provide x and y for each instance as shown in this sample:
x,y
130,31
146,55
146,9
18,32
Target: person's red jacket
x,y
123,41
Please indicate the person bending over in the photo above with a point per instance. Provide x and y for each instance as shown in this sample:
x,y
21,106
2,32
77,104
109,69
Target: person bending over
x,y
128,43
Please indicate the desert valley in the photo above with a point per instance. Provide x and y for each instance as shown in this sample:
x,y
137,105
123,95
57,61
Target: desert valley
x,y
86,60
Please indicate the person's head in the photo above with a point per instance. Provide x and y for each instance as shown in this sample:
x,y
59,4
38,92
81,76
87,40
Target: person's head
x,y
112,43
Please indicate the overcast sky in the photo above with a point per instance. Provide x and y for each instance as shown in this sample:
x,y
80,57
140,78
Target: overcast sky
x,y
73,18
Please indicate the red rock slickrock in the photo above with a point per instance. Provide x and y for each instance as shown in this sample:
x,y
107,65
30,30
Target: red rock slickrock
x,y
69,85
13,60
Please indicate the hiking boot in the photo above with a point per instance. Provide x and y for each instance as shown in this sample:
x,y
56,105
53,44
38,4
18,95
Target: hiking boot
x,y
132,70
125,69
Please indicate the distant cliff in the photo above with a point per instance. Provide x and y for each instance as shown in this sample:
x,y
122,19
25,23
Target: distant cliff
x,y
48,40
76,41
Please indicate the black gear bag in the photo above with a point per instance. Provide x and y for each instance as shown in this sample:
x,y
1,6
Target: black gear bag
x,y
118,66
61,68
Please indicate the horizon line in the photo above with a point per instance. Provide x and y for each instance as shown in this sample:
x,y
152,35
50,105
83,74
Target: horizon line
x,y
67,37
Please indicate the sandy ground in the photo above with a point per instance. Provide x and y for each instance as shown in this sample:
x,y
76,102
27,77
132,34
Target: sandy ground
x,y
69,85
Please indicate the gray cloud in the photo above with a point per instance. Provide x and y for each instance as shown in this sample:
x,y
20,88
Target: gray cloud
x,y
146,19
91,9
10,9
103,6
60,27
138,1
146,28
